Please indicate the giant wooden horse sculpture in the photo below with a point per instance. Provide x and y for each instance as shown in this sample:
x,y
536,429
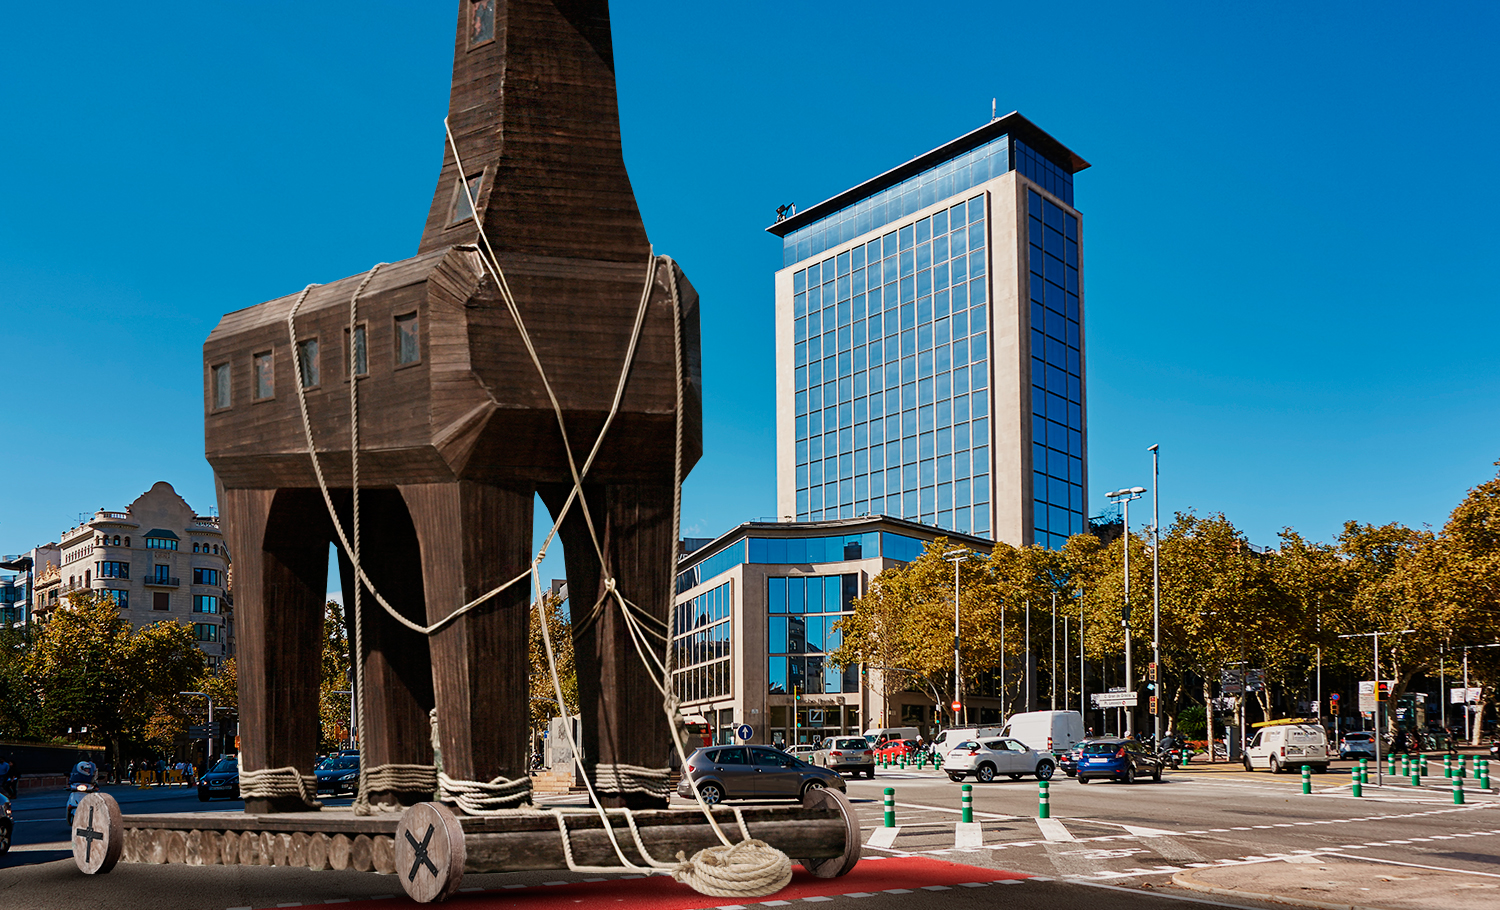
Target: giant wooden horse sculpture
x,y
458,434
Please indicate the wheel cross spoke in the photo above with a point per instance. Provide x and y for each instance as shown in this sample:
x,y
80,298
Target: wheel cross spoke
x,y
91,834
420,857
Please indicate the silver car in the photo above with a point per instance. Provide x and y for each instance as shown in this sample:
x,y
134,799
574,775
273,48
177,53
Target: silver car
x,y
847,753
752,772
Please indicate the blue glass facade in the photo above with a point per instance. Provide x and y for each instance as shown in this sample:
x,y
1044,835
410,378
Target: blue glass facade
x,y
701,637
891,376
1056,372
801,613
801,551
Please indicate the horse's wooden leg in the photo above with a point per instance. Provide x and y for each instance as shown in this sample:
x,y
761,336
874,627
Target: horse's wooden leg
x,y
623,720
279,542
398,670
473,538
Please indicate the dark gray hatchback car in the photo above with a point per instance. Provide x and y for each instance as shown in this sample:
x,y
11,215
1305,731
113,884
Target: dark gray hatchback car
x,y
752,772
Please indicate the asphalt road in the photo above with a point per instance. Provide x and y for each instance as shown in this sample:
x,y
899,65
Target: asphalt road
x,y
1107,846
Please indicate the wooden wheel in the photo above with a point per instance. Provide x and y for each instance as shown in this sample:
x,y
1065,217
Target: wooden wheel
x,y
834,866
98,833
430,852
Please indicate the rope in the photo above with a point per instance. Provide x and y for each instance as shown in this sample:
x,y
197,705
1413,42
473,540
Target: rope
x,y
273,783
393,778
623,778
484,797
750,868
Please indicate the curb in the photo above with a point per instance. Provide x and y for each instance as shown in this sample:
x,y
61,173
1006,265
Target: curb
x,y
1185,880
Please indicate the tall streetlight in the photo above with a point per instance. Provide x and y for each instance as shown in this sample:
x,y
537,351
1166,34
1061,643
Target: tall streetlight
x,y
1156,588
1379,776
1124,499
956,557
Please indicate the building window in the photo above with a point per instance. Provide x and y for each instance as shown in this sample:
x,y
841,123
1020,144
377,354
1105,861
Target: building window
x,y
161,600
802,612
121,598
481,22
221,388
307,362
113,569
463,208
205,603
161,543
701,636
205,631
206,576
361,360
265,380
406,339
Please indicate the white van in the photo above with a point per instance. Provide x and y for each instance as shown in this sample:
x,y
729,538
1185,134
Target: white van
x,y
1288,745
946,739
883,736
1047,731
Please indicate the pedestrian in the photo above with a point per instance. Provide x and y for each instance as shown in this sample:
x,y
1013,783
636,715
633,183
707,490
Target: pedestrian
x,y
130,770
161,771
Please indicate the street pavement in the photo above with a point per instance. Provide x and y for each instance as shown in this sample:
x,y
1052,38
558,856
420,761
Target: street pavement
x,y
1205,836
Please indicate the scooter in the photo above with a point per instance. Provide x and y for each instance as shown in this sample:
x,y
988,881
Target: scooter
x,y
9,779
82,782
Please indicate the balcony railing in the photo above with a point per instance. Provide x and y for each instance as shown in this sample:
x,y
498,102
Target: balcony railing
x,y
161,581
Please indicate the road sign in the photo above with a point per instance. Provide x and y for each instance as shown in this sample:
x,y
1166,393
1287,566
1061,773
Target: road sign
x,y
958,705
1114,699
744,732
1469,696
203,731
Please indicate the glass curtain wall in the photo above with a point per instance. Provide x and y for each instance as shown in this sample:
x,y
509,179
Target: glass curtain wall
x,y
891,377
1056,371
802,611
700,639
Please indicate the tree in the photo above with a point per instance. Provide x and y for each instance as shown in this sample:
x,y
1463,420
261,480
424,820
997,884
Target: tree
x,y
543,694
89,669
902,627
336,683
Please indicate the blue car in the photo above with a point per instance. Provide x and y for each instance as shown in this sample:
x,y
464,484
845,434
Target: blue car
x,y
1116,758
223,782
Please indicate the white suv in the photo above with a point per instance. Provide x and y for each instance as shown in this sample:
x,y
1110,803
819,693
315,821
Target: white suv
x,y
1290,746
993,757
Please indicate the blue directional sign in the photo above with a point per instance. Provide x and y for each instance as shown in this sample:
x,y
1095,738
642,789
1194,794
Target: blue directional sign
x,y
743,731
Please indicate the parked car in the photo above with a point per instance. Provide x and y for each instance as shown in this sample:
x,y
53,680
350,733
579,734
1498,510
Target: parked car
x,y
1288,746
1358,744
895,749
1068,761
338,774
1117,758
985,760
846,753
752,772
948,739
1050,731
222,782
882,736
803,751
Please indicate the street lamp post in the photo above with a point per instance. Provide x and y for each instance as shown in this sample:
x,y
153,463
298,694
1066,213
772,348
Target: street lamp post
x,y
208,741
1379,775
956,557
1156,588
1124,498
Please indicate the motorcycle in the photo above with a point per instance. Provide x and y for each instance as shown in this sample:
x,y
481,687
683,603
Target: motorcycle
x,y
81,782
9,780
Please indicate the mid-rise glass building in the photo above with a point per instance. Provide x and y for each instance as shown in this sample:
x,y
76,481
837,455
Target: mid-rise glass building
x,y
929,343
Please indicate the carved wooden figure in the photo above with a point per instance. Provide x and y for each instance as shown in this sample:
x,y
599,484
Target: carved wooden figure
x,y
458,434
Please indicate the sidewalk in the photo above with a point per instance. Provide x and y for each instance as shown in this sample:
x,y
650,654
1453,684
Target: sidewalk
x,y
1341,884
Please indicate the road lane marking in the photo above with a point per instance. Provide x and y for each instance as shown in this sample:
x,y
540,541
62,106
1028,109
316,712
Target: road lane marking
x,y
1054,830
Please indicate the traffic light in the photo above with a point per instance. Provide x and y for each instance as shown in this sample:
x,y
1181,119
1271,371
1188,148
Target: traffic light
x,y
1152,671
1382,692
1153,704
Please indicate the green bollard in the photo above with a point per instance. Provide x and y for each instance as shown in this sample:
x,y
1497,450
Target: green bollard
x,y
1307,779
1043,802
1364,770
1458,791
890,807
1416,774
1484,772
1354,781
968,804
1448,766
1424,764
1463,766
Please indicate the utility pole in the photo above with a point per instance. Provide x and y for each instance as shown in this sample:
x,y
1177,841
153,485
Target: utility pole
x,y
1125,497
1052,677
1156,592
956,557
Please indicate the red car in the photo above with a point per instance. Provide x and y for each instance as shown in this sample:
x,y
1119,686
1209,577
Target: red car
x,y
893,750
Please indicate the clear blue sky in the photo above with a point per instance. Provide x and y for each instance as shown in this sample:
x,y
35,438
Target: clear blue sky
x,y
1289,230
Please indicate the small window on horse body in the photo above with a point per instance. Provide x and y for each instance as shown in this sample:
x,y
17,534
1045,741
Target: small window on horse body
x,y
464,200
407,349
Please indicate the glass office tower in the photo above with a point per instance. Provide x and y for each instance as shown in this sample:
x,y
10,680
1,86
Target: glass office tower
x,y
929,344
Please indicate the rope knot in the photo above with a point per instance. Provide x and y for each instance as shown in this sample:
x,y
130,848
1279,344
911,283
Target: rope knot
x,y
750,868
